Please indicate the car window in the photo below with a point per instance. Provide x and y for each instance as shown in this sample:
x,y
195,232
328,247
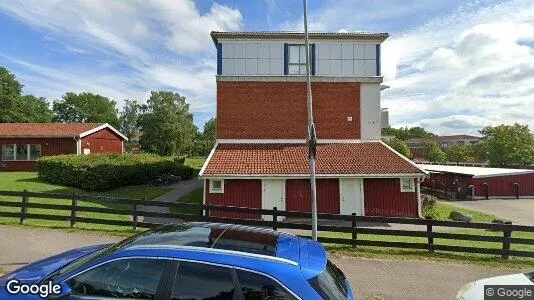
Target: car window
x,y
128,278
259,287
330,284
196,281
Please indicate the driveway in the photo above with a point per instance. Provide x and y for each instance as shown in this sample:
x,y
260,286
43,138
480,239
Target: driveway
x,y
519,211
391,279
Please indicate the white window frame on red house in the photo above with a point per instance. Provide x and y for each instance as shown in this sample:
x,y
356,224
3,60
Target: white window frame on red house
x,y
28,152
410,187
216,190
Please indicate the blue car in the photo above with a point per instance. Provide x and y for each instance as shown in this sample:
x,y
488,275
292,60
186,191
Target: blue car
x,y
186,261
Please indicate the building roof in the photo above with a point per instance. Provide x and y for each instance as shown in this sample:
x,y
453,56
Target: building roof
x,y
291,160
215,35
476,172
53,130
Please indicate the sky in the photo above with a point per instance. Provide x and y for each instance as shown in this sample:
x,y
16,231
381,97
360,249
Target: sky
x,y
453,66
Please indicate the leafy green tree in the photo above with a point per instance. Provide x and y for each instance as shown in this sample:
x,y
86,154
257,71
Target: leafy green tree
x,y
31,109
405,133
401,147
85,108
460,153
167,125
10,92
128,118
205,141
506,145
434,153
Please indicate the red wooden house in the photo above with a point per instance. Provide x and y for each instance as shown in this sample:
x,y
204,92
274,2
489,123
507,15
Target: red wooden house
x,y
260,158
23,143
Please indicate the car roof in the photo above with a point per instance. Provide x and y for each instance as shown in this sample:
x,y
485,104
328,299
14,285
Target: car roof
x,y
219,243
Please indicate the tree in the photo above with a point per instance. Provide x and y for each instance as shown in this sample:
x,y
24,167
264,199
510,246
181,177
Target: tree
x,y
506,145
407,133
434,153
401,147
30,109
167,125
459,153
85,108
128,118
205,141
10,92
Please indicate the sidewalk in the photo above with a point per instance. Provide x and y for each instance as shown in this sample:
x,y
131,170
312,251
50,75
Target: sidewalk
x,y
180,189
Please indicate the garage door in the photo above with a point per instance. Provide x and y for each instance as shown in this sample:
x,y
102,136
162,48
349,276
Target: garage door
x,y
298,195
237,192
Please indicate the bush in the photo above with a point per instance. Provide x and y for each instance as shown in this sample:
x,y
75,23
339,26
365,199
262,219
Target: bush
x,y
98,172
429,208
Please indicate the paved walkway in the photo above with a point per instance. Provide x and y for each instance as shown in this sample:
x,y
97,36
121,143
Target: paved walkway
x,y
391,279
180,189
519,211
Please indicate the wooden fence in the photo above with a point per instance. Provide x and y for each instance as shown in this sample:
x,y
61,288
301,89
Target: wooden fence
x,y
354,226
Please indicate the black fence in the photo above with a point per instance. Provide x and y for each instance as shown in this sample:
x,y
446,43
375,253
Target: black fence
x,y
353,226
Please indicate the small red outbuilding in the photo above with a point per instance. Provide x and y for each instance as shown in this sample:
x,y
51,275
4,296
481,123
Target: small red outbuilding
x,y
23,143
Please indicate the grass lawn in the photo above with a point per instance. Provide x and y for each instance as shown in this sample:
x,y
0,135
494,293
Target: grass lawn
x,y
444,210
2,271
195,162
195,197
19,181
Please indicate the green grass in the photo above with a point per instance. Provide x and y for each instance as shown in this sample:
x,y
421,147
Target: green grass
x,y
195,162
19,181
195,197
444,210
2,271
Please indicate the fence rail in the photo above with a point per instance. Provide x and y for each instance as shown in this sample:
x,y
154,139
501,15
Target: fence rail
x,y
354,226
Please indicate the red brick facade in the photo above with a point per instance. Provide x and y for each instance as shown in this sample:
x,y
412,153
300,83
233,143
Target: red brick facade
x,y
277,110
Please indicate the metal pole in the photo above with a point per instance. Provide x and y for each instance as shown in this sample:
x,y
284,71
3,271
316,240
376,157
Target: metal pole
x,y
312,139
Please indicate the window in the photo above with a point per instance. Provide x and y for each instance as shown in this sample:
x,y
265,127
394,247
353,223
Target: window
x,y
203,281
8,152
127,278
297,59
259,287
21,152
216,186
407,185
330,284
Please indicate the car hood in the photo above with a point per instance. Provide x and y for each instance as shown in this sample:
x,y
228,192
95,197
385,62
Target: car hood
x,y
37,271
477,289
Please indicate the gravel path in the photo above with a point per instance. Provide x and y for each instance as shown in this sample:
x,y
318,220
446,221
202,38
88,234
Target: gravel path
x,y
370,277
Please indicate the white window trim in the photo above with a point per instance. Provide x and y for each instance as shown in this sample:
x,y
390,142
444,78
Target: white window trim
x,y
405,190
28,153
299,64
215,191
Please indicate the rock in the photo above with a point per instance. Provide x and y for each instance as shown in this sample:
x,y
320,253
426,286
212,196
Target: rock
x,y
460,216
501,221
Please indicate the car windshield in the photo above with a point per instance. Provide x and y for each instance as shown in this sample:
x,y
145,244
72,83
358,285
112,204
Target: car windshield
x,y
331,283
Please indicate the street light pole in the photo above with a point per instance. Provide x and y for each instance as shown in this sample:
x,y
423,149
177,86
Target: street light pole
x,y
312,138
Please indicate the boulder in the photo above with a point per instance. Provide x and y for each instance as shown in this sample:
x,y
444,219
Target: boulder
x,y
501,221
460,216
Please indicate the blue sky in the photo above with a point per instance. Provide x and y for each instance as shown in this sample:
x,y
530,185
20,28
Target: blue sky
x,y
453,66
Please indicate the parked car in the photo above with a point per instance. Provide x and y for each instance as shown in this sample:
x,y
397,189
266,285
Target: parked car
x,y
475,290
189,261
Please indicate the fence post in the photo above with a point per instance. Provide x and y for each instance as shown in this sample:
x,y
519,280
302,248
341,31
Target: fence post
x,y
24,206
354,232
516,186
73,210
507,234
275,218
207,209
486,190
430,238
472,191
135,216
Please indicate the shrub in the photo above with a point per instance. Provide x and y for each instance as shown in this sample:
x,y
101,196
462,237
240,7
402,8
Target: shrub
x,y
98,172
429,208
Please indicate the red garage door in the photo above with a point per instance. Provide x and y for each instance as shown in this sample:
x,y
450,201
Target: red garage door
x,y
298,195
237,192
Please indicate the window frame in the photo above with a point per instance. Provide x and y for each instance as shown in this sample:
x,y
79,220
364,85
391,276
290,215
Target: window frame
x,y
299,64
412,185
28,152
216,191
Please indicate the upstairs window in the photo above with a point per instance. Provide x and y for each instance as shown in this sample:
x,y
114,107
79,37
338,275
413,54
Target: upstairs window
x,y
297,59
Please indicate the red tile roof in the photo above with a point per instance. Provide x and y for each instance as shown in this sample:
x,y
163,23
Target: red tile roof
x,y
45,129
292,159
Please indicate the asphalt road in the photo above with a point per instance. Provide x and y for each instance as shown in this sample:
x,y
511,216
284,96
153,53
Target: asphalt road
x,y
370,277
519,211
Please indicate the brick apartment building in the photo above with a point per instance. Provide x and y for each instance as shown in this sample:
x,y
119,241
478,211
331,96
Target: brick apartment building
x,y
260,159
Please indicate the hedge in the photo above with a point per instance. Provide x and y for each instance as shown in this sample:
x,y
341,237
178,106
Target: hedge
x,y
99,172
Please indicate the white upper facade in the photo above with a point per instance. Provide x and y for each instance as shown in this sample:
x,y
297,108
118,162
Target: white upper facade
x,y
280,54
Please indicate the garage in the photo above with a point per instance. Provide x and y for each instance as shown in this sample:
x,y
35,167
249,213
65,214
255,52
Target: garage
x,y
235,192
298,195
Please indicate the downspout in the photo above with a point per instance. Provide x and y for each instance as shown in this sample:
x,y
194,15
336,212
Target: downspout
x,y
78,145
